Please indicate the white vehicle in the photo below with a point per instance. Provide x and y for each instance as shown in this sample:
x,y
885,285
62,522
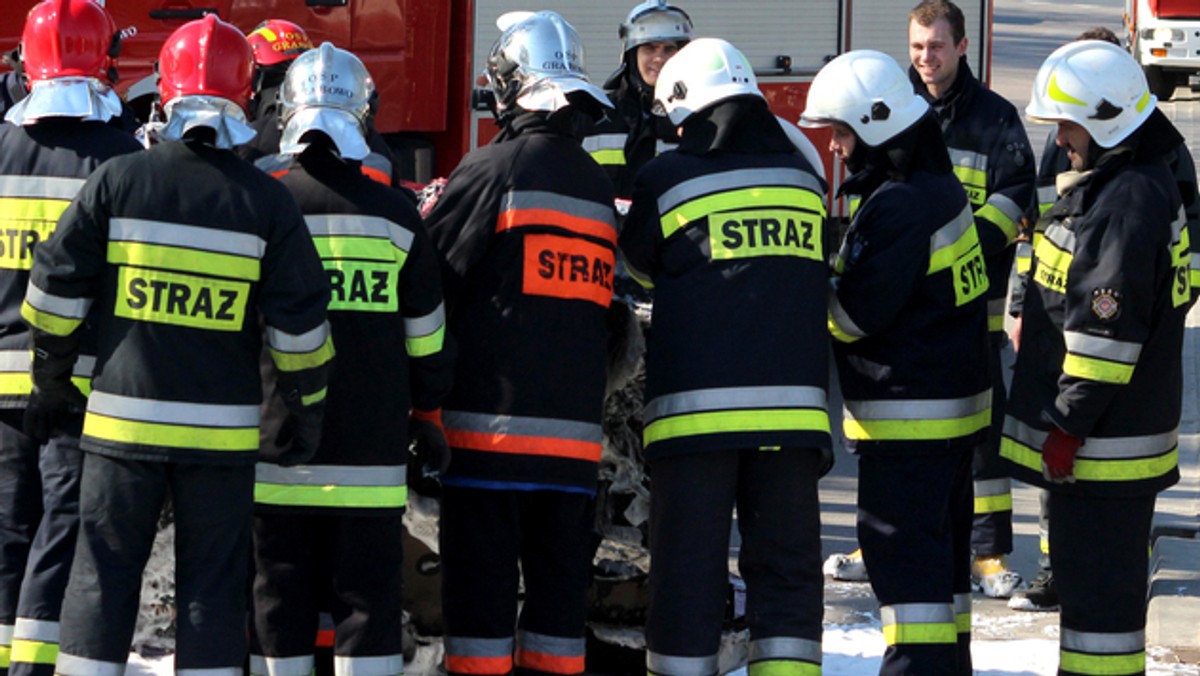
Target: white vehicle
x,y
1164,37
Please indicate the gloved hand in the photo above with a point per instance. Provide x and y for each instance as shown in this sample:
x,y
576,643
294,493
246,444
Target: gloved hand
x,y
54,408
431,452
298,439
1058,456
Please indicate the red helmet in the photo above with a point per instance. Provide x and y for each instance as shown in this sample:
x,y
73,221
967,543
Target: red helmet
x,y
206,57
277,40
69,38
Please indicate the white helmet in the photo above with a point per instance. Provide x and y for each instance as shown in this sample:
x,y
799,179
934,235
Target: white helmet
x,y
704,72
866,90
328,90
654,21
537,61
1096,85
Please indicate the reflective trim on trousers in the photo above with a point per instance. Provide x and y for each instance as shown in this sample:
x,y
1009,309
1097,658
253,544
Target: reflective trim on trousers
x,y
301,665
211,671
34,641
669,665
1102,654
550,654
72,665
962,613
919,623
489,656
993,495
378,665
785,648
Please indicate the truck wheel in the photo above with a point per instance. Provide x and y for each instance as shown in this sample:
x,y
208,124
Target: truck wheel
x,y
1162,84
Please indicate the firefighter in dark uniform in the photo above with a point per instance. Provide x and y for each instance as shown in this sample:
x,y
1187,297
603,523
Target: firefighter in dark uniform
x,y
55,137
728,232
332,526
630,135
186,252
528,231
907,310
992,157
1096,395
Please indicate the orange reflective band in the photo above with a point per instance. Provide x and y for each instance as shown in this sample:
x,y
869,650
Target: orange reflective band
x,y
325,638
565,267
524,445
517,218
376,175
460,664
551,664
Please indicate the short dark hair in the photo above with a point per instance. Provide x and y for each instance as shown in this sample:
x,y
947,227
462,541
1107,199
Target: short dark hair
x,y
1100,33
929,11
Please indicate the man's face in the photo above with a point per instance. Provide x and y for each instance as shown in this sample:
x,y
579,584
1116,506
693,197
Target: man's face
x,y
934,54
651,56
843,141
1076,141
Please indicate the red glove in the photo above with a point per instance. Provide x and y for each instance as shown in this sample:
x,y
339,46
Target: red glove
x,y
1058,456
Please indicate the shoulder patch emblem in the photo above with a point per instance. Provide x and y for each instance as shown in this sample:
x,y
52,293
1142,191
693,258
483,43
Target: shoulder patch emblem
x,y
1106,304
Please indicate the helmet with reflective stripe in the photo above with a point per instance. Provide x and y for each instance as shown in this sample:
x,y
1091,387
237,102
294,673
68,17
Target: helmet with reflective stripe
x,y
328,90
206,57
278,40
537,61
655,21
69,38
867,91
1096,85
704,72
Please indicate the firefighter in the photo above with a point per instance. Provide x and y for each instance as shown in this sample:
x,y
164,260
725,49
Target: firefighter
x,y
55,137
186,252
1095,407
332,526
908,314
528,231
630,135
728,232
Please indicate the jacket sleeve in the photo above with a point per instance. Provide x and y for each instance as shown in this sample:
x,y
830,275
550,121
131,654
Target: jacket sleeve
x,y
293,300
1183,166
883,259
1054,161
1011,178
430,351
462,224
1112,283
641,235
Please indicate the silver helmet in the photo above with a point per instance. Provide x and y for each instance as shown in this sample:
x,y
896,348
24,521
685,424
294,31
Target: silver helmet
x,y
327,90
537,62
655,21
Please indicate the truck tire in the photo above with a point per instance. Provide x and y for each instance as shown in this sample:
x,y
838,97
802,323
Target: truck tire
x,y
1162,84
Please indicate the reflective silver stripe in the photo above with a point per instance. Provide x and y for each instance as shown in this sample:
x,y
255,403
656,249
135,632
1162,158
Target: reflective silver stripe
x,y
479,647
842,319
71,308
1060,237
70,665
6,634
682,666
85,366
785,648
215,671
378,162
495,423
309,341
727,181
346,225
1194,262
1178,225
969,159
604,142
45,187
173,412
1103,348
44,631
15,360
559,646
1101,643
330,475
1007,206
661,146
415,327
918,409
951,232
962,604
540,199
188,236
1099,448
379,665
1047,194
995,306
281,666
992,487
917,613
727,398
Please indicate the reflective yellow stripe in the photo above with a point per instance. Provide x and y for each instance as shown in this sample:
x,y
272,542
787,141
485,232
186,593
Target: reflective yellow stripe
x,y
941,632
315,397
34,652
989,504
50,323
5,656
783,668
1057,94
1181,255
962,622
1100,370
1102,665
1052,265
360,248
170,436
911,430
732,200
26,223
165,257
423,346
380,497
744,420
836,331
974,182
994,215
298,361
1095,470
995,322
611,157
